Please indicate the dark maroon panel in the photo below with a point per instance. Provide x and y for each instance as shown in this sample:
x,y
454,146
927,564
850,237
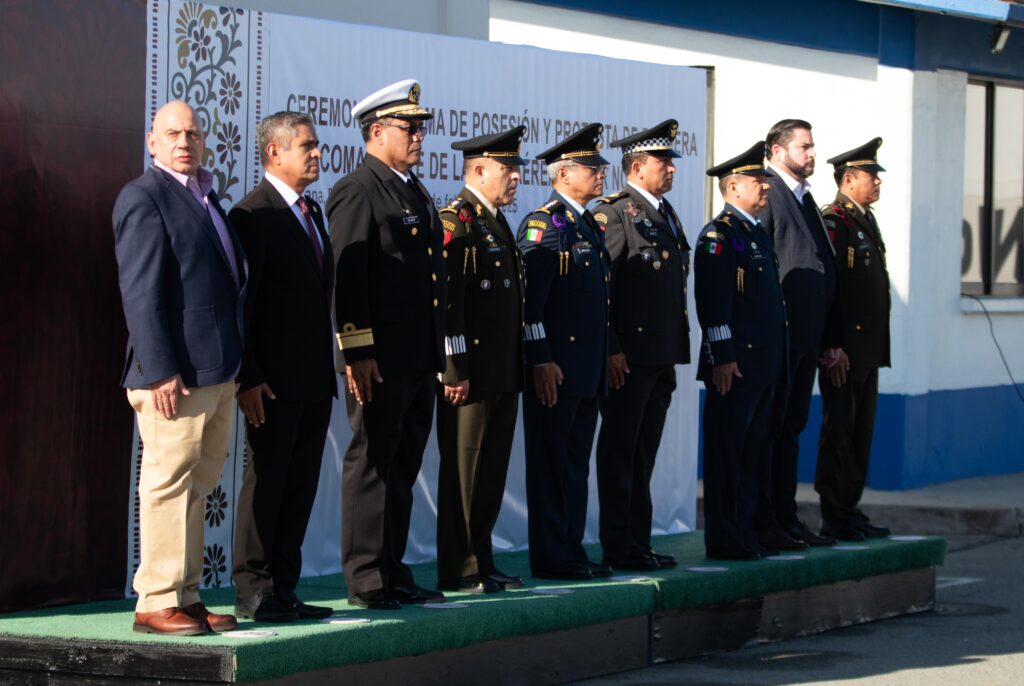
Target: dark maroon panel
x,y
72,109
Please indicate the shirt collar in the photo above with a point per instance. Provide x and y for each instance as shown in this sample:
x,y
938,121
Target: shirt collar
x,y
403,177
203,177
655,202
286,191
797,186
752,220
493,210
572,203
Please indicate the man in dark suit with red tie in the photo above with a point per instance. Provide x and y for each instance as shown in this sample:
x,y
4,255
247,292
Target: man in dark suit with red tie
x,y
287,378
810,286
390,318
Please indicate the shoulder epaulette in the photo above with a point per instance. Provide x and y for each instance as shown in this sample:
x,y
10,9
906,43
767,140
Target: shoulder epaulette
x,y
613,197
553,206
460,206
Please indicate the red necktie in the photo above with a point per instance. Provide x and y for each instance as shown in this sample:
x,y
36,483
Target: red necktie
x,y
311,231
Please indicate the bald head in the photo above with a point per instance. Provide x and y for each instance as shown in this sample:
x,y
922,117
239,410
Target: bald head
x,y
177,139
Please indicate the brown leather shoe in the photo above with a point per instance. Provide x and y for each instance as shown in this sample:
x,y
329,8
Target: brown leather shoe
x,y
170,621
199,612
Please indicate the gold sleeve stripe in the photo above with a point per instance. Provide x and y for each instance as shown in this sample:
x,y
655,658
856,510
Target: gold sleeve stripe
x,y
601,218
359,338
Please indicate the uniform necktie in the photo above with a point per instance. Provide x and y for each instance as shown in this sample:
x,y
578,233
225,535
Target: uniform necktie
x,y
219,226
667,214
311,231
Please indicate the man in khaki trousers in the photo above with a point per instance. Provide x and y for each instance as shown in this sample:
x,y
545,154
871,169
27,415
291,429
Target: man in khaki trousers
x,y
182,276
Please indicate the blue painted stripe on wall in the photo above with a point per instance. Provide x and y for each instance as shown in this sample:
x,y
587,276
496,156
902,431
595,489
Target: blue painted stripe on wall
x,y
838,25
931,438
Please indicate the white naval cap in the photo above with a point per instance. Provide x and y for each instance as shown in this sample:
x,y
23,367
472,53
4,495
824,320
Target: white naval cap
x,y
401,100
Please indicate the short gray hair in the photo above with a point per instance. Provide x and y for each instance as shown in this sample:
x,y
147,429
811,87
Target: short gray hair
x,y
273,128
555,166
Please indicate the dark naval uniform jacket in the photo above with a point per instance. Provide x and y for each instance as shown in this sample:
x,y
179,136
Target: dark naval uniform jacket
x,y
566,313
484,341
739,302
390,298
649,268
863,282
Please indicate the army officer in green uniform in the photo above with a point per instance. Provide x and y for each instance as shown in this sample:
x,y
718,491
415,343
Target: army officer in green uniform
x,y
479,393
849,397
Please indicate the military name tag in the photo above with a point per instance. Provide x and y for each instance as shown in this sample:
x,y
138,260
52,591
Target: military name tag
x,y
410,219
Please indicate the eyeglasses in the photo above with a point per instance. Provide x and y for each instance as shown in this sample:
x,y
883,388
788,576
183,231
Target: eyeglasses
x,y
598,170
412,128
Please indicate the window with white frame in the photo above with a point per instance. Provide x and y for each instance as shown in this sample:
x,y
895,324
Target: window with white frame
x,y
993,223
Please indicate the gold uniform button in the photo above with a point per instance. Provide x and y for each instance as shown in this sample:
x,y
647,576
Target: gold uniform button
x,y
434,277
858,327
498,263
430,251
444,253
639,329
572,338
414,231
435,302
476,341
750,346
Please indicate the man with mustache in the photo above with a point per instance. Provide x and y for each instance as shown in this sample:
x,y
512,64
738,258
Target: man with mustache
x,y
566,341
647,338
287,381
476,414
389,307
742,355
844,446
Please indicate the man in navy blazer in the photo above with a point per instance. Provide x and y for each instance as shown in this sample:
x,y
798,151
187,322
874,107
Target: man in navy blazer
x,y
807,270
182,277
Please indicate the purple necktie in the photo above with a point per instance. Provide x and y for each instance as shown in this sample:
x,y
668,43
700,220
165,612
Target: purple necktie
x,y
218,223
311,231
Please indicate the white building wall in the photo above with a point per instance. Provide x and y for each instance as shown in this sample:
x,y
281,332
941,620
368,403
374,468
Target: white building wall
x,y
848,99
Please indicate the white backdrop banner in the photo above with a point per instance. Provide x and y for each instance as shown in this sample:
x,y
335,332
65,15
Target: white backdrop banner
x,y
236,67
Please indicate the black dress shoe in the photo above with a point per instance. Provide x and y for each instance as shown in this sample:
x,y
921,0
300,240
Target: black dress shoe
x,y
599,571
635,563
732,554
264,608
302,609
870,530
470,584
775,538
664,561
568,572
415,595
504,580
843,531
377,599
800,532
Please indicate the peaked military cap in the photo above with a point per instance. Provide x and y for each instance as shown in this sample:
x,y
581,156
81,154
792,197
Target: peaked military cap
x,y
583,147
400,100
657,140
865,157
750,163
501,147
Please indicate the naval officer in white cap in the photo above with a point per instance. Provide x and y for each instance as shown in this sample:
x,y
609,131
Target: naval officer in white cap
x,y
390,321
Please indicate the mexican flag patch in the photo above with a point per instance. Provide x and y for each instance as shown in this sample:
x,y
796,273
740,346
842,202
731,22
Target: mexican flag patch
x,y
534,235
712,248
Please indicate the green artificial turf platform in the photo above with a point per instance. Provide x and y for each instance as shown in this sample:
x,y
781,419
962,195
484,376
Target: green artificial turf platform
x,y
314,645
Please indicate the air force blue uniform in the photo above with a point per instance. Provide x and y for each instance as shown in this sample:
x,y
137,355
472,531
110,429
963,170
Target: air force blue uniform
x,y
566,322
742,314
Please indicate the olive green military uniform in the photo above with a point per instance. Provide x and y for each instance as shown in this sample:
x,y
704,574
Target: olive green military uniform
x,y
844,446
484,344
